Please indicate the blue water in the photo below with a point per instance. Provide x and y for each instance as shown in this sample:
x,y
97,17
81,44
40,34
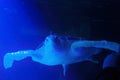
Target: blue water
x,y
25,23
20,30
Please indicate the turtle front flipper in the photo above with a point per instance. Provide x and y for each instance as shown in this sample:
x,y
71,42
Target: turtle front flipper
x,y
10,57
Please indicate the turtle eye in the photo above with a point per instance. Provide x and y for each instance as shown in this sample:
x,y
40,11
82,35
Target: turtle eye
x,y
56,37
46,39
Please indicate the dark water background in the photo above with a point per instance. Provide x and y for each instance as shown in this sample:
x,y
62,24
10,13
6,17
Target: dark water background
x,y
25,23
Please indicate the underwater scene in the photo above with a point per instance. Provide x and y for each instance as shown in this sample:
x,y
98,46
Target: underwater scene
x,y
59,40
